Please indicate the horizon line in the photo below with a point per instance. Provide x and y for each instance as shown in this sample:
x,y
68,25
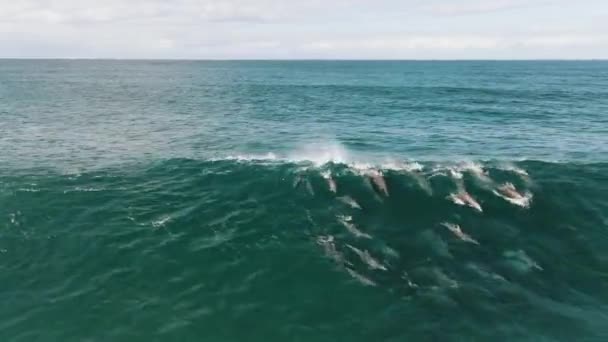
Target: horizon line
x,y
309,59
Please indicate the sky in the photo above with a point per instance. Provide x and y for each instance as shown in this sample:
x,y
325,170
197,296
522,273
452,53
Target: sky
x,y
312,29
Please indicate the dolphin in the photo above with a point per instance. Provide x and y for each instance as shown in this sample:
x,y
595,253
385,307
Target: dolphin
x,y
330,182
362,279
309,188
346,222
350,202
329,247
379,182
297,181
300,180
508,189
463,198
454,228
368,259
508,192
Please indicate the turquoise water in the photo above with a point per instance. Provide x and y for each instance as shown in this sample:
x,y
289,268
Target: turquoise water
x,y
303,201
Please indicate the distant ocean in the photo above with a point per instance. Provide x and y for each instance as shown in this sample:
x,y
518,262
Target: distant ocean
x,y
303,201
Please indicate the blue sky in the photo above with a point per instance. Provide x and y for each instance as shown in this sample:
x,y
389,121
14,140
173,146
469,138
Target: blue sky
x,y
333,29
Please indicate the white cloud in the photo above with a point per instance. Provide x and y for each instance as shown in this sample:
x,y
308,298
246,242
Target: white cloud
x,y
312,29
91,12
566,40
408,43
479,6
460,42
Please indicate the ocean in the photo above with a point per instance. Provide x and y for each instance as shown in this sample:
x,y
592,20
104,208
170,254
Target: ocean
x,y
303,200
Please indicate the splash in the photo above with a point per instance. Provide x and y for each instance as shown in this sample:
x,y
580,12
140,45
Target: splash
x,y
321,154
159,223
505,166
270,156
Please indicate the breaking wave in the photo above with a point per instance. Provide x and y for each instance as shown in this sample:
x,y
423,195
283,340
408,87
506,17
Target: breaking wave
x,y
435,232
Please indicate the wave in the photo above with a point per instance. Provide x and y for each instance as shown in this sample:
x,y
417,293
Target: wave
x,y
430,231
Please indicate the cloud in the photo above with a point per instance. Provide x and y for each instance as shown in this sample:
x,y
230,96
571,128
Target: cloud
x,y
478,6
408,43
460,42
74,12
304,29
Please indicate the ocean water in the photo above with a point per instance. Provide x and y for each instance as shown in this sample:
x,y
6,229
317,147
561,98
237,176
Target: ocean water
x,y
303,201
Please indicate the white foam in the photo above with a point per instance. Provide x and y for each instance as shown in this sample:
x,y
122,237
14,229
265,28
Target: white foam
x,y
505,166
249,157
161,221
457,170
81,189
455,173
413,166
473,167
477,170
400,165
362,168
372,168
410,283
523,201
28,190
13,217
437,172
321,154
345,218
